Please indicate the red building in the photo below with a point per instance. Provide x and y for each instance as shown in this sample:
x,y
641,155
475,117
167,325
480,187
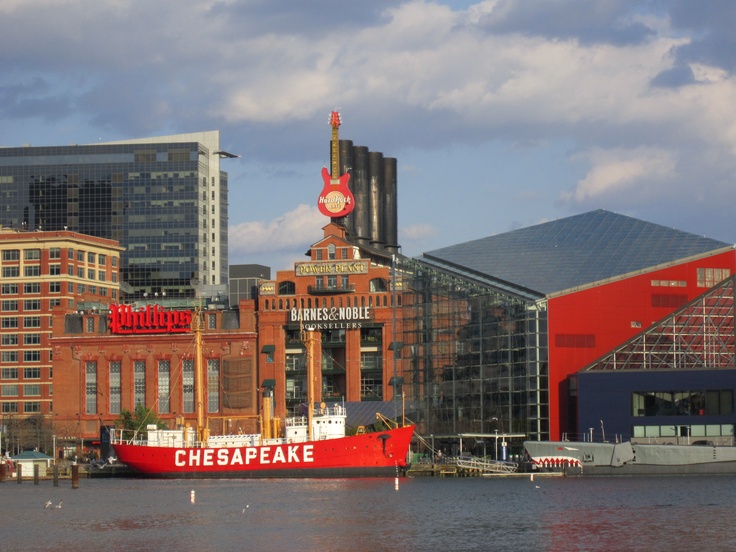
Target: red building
x,y
105,364
343,293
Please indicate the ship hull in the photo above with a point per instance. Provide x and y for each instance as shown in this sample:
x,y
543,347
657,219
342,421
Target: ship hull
x,y
582,458
382,453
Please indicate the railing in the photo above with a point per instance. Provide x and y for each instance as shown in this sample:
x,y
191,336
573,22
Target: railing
x,y
485,465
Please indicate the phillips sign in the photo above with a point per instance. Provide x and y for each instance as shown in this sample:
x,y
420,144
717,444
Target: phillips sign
x,y
124,319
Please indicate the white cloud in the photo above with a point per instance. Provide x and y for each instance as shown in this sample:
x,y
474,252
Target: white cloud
x,y
621,172
293,231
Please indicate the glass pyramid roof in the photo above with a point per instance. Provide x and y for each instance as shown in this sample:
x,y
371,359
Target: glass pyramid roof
x,y
574,251
699,335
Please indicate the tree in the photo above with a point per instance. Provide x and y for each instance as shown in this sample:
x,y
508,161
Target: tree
x,y
139,419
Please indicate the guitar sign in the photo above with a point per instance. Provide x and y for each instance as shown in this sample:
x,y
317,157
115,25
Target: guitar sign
x,y
336,199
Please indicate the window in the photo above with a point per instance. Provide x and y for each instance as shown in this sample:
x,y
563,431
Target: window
x,y
80,256
10,339
211,321
10,407
80,272
32,305
32,271
54,269
11,271
31,321
11,255
31,407
10,289
287,288
188,385
32,254
32,288
32,373
10,390
318,255
90,274
331,252
164,369
139,382
33,390
55,287
9,306
31,339
9,356
54,303
101,275
31,356
213,386
709,277
10,373
55,253
9,322
115,387
115,261
90,258
90,388
89,324
101,259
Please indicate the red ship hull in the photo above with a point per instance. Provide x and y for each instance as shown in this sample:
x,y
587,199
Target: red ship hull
x,y
382,453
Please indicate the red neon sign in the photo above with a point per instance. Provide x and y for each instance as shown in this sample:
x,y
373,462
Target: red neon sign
x,y
153,319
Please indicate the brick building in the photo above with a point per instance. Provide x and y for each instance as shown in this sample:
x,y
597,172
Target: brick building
x,y
106,363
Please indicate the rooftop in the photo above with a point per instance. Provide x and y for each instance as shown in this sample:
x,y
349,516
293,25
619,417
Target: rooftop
x,y
575,251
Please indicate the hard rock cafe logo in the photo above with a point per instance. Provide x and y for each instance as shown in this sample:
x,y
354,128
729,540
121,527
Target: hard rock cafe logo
x,y
124,319
335,202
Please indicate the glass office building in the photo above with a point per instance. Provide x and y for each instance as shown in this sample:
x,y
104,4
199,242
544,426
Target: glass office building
x,y
164,199
471,359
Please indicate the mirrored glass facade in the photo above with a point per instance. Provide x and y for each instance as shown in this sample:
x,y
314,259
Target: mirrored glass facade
x,y
473,359
163,199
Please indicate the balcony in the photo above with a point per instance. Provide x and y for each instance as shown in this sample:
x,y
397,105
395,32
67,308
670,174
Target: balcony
x,y
331,289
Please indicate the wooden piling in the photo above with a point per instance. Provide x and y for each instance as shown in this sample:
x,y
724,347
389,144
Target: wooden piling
x,y
36,472
56,475
19,472
75,476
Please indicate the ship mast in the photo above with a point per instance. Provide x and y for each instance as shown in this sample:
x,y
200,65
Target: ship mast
x,y
307,338
202,431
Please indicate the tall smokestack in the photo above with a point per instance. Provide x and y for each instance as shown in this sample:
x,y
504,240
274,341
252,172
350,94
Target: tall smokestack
x,y
360,186
391,216
377,192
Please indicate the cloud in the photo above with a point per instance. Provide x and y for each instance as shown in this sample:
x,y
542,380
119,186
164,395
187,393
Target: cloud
x,y
619,172
293,231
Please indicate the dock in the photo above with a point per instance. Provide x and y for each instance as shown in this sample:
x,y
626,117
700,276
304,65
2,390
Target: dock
x,y
468,466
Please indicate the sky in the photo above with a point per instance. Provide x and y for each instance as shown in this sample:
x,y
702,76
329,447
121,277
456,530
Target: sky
x,y
502,114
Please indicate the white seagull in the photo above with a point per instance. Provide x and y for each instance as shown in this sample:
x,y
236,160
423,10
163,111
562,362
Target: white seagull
x,y
59,504
48,504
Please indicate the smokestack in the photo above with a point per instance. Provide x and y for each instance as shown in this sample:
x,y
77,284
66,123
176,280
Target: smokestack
x,y
377,206
391,216
360,186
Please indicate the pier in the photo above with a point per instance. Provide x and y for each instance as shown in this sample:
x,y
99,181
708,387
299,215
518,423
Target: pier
x,y
469,466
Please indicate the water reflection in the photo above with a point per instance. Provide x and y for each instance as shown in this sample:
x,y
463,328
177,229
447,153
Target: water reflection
x,y
370,515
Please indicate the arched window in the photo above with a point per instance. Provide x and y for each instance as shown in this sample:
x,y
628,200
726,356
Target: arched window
x,y
378,285
287,288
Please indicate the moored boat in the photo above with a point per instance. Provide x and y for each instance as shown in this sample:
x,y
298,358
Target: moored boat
x,y
312,445
626,458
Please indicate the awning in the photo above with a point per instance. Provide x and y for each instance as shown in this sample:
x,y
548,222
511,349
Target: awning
x,y
268,383
268,349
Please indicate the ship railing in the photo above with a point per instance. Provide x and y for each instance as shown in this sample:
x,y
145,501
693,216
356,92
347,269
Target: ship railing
x,y
140,437
593,437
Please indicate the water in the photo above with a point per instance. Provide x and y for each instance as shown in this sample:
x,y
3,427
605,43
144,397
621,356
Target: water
x,y
459,514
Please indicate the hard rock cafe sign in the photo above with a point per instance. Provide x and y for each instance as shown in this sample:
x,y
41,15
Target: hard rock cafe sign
x,y
125,319
336,200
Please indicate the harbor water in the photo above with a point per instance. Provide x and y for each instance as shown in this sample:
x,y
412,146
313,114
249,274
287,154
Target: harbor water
x,y
459,514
